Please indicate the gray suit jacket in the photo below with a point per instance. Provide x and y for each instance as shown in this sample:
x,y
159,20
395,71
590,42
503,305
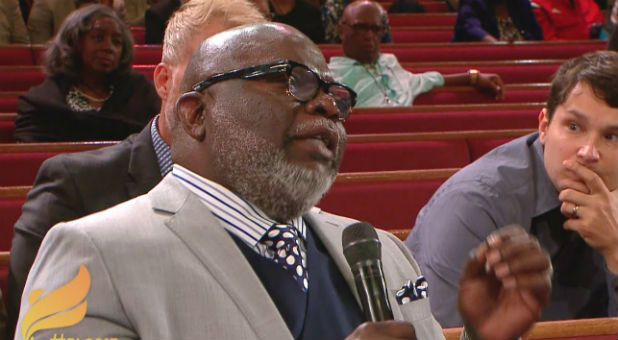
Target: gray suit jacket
x,y
70,186
162,267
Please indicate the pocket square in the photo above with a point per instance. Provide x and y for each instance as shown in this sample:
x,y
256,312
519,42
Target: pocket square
x,y
412,291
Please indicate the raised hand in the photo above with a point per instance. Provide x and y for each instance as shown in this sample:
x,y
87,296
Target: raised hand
x,y
492,83
504,285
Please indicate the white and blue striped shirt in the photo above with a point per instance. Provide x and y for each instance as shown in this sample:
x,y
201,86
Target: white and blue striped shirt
x,y
236,215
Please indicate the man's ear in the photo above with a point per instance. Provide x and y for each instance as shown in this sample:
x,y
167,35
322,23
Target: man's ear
x,y
161,78
340,30
189,111
543,125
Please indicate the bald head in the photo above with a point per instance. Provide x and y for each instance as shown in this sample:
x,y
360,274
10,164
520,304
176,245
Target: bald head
x,y
352,10
250,45
361,29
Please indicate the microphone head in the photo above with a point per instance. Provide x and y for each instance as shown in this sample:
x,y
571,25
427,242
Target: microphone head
x,y
360,243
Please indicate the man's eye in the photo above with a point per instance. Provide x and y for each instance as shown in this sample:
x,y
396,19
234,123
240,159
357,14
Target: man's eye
x,y
573,127
612,137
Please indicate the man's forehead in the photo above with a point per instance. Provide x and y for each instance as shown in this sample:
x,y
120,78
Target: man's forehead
x,y
234,51
363,13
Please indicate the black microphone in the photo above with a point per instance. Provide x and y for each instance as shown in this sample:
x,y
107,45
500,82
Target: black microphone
x,y
363,251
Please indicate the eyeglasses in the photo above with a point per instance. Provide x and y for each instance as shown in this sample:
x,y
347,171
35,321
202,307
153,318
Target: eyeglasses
x,y
361,27
303,83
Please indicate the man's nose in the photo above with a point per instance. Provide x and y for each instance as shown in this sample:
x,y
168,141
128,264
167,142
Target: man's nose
x,y
588,152
323,104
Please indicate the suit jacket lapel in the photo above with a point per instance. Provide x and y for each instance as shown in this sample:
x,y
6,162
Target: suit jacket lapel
x,y
144,172
330,233
210,242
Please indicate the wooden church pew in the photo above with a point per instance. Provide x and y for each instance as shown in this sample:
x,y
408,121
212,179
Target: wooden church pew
x,y
370,152
420,118
386,199
578,329
21,78
513,93
476,51
422,19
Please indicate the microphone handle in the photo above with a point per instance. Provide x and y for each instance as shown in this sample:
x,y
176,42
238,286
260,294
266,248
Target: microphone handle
x,y
372,290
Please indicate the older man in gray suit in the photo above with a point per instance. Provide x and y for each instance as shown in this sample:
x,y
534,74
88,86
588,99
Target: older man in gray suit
x,y
229,244
73,185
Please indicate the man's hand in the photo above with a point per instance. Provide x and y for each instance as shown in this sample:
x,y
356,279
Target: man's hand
x,y
504,285
492,83
592,213
391,329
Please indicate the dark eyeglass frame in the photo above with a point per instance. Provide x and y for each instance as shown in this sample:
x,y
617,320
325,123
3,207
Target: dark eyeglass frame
x,y
280,66
379,30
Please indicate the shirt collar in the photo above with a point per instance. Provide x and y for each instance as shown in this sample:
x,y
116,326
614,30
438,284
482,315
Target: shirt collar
x,y
236,215
162,150
545,192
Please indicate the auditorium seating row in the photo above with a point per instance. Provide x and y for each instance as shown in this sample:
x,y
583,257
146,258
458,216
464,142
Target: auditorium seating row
x,y
399,34
406,52
418,118
513,93
21,78
368,152
387,199
580,329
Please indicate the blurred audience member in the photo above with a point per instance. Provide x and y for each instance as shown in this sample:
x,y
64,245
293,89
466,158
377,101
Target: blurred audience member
x,y
12,27
135,10
406,6
495,20
155,19
301,15
46,17
378,78
263,6
331,14
612,44
568,19
91,91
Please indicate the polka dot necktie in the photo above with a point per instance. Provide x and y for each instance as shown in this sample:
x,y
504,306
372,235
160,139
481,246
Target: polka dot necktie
x,y
284,247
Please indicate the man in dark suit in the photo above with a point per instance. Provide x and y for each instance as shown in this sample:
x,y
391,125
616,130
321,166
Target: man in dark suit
x,y
70,186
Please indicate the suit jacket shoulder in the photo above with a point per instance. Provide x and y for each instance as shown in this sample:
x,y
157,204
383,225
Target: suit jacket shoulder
x,y
70,186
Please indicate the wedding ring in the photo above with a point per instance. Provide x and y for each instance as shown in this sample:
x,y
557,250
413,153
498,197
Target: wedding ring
x,y
574,211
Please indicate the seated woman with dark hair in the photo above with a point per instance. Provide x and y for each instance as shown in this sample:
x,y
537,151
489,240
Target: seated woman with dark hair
x,y
91,91
496,20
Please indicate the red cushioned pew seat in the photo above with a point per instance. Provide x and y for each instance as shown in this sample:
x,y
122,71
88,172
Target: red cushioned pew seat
x,y
20,78
387,201
512,71
513,93
11,200
461,117
405,155
20,162
7,127
432,52
422,19
421,34
16,55
8,102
